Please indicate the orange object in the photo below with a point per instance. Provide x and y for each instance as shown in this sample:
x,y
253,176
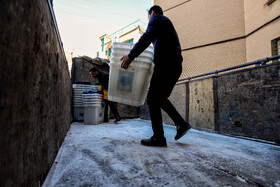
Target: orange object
x,y
105,96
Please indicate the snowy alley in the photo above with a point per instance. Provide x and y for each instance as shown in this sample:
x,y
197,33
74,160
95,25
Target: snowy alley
x,y
111,155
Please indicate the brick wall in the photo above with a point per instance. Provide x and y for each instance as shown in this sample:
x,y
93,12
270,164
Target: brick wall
x,y
35,96
258,13
211,58
258,45
204,22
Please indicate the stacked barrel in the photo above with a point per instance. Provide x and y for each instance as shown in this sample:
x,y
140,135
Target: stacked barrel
x,y
93,108
130,86
78,110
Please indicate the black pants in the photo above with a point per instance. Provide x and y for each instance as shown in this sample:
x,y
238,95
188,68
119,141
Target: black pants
x,y
113,108
161,86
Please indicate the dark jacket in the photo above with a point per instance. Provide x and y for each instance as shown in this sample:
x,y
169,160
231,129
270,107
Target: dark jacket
x,y
103,78
166,43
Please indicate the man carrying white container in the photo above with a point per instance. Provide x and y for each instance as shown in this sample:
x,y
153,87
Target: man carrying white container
x,y
168,68
103,78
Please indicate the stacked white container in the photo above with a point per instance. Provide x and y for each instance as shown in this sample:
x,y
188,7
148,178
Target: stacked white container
x,y
93,108
130,86
78,110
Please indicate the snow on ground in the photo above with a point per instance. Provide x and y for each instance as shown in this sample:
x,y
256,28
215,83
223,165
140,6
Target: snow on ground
x,y
111,155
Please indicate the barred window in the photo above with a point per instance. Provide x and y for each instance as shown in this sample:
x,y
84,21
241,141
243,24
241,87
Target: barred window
x,y
278,46
275,47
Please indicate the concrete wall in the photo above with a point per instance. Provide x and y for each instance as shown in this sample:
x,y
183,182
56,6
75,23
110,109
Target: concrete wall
x,y
249,103
35,96
144,111
201,104
178,99
126,111
80,73
245,103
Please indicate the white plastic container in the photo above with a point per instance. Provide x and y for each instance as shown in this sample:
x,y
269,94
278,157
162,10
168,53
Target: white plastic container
x,y
130,86
78,110
93,109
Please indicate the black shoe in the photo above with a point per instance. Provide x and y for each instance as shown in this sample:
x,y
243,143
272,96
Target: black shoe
x,y
159,142
182,130
118,119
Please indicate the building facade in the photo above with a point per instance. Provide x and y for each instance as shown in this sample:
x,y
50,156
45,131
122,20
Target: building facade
x,y
216,34
128,34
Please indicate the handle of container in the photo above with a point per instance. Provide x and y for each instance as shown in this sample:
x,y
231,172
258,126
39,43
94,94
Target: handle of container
x,y
152,69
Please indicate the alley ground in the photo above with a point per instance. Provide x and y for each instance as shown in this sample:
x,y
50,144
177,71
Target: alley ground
x,y
111,155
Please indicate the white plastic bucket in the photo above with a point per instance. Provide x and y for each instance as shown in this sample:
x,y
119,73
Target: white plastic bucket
x,y
78,110
78,113
130,86
93,109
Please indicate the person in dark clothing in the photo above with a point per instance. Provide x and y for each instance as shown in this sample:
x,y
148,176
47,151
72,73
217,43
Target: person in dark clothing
x,y
103,78
167,70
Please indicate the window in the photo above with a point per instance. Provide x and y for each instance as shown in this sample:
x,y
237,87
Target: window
x,y
130,41
102,44
106,53
278,46
110,51
275,47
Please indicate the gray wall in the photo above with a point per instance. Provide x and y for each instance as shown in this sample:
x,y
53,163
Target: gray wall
x,y
35,96
201,104
178,98
144,111
245,103
80,73
249,103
